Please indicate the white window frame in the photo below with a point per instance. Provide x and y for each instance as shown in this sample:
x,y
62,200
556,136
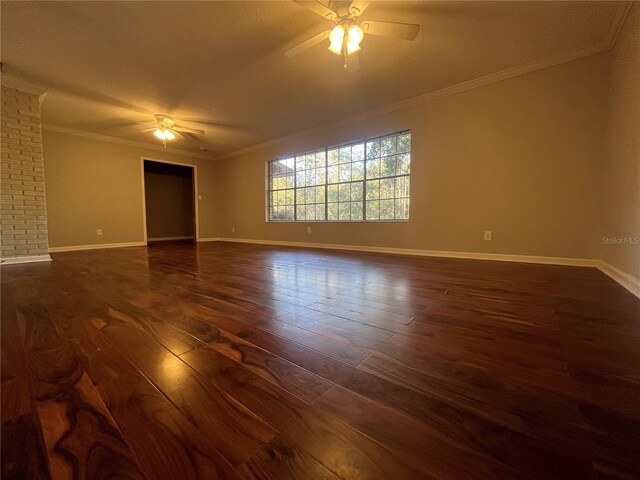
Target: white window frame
x,y
327,183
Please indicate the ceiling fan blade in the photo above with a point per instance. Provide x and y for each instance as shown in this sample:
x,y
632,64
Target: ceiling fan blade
x,y
405,31
358,6
208,123
353,63
164,120
318,8
188,130
188,136
298,49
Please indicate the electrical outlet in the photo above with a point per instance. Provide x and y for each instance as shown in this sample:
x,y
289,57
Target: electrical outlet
x,y
233,229
199,197
308,229
99,232
488,234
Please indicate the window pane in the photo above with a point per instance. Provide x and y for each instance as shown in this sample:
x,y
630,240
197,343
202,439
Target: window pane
x,y
404,143
388,146
332,192
373,149
356,191
373,189
388,166
357,152
402,187
402,209
345,154
373,210
311,212
344,211
386,188
345,192
283,166
403,166
289,213
357,170
287,197
320,212
332,211
373,168
309,161
356,210
386,209
345,172
333,156
334,174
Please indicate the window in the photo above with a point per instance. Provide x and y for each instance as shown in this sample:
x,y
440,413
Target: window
x,y
361,181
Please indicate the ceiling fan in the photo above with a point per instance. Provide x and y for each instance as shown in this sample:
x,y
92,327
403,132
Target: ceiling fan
x,y
166,128
348,31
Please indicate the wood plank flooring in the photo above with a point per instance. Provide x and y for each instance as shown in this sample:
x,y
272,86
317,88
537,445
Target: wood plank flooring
x,y
241,361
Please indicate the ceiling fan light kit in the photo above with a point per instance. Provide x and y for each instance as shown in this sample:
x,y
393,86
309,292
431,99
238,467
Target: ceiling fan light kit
x,y
339,42
164,134
347,33
167,129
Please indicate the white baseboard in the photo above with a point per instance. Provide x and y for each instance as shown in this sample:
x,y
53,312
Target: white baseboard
x,y
577,262
168,239
31,259
209,239
73,248
627,280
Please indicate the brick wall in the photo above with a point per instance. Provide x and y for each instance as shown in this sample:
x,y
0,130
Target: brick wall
x,y
23,214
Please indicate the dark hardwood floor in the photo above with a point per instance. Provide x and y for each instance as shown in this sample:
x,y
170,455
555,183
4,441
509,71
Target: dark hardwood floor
x,y
242,361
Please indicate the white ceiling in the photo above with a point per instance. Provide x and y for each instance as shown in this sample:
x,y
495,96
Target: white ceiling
x,y
108,65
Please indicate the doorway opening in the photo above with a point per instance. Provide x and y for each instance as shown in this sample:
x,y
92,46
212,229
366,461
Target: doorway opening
x,y
170,208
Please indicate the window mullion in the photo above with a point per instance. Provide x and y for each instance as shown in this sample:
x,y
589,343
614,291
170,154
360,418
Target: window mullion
x,y
326,184
295,188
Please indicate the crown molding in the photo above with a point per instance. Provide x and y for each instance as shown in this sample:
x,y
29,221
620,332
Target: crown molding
x,y
132,143
547,62
8,80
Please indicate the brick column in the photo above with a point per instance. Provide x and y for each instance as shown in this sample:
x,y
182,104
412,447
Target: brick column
x,y
23,213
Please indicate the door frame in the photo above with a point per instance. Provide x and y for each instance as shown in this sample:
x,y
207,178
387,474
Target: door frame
x,y
196,195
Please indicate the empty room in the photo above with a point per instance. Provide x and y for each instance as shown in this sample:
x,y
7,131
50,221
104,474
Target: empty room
x,y
320,240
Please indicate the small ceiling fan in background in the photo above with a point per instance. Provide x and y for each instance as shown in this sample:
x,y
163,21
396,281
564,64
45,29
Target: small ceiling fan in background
x,y
348,31
166,128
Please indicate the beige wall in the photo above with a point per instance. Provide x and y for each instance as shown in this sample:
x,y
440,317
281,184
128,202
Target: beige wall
x,y
168,201
95,184
549,161
520,157
621,178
